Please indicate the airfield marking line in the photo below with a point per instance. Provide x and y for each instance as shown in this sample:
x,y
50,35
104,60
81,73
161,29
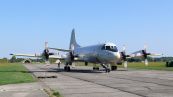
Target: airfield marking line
x,y
104,85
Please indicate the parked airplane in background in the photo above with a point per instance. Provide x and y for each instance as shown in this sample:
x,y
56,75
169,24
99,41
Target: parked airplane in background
x,y
45,55
104,54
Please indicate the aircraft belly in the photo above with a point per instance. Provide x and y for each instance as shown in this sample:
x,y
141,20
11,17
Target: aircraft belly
x,y
88,58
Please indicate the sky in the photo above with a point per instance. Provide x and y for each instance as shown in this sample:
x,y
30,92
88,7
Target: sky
x,y
26,24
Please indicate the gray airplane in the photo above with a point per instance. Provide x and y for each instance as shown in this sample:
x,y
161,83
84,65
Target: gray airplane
x,y
103,54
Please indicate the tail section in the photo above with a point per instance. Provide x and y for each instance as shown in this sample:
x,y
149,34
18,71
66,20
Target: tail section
x,y
73,43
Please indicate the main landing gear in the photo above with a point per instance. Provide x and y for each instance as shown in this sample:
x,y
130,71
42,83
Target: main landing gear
x,y
67,68
114,68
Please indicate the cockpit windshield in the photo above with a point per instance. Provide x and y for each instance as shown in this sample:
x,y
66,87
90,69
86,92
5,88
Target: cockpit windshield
x,y
110,48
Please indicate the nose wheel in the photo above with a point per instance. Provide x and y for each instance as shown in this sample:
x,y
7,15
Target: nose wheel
x,y
107,69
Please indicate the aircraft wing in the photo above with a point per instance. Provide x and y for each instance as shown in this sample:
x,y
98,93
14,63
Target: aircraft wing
x,y
152,54
64,50
57,57
137,54
141,53
26,55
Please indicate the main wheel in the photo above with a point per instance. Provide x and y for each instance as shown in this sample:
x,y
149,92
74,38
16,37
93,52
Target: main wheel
x,y
97,68
65,68
68,68
113,67
94,68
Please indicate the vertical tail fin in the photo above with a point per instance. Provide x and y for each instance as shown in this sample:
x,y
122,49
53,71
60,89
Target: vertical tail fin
x,y
73,43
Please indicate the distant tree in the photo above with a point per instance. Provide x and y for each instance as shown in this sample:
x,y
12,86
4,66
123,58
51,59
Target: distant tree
x,y
4,60
134,60
19,59
163,59
13,59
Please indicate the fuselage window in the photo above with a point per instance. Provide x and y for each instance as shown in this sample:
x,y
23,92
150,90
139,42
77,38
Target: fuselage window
x,y
110,48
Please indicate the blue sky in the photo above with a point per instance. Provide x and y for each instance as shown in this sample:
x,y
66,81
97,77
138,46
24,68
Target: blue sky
x,y
26,24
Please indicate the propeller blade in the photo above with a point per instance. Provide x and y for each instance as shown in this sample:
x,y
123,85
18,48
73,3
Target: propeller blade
x,y
46,45
152,54
47,62
124,48
46,53
145,47
146,62
73,65
125,64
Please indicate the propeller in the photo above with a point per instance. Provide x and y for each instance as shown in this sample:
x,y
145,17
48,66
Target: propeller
x,y
124,56
46,53
145,55
72,53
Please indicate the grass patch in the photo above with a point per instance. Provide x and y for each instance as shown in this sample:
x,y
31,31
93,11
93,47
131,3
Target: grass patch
x,y
52,93
138,65
151,66
12,73
56,94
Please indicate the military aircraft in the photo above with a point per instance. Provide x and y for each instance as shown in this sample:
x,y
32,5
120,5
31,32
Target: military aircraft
x,y
103,54
45,55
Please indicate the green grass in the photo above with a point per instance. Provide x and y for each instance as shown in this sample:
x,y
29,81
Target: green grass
x,y
52,93
56,94
140,65
151,66
11,73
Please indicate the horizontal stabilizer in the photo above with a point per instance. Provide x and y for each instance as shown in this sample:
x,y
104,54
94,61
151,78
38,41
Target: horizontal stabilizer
x,y
26,55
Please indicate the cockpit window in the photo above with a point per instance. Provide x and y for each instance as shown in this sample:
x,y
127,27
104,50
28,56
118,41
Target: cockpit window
x,y
110,48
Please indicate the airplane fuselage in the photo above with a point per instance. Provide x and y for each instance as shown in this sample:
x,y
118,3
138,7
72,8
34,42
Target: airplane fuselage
x,y
98,53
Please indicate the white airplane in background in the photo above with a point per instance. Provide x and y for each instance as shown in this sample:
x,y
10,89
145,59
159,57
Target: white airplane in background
x,y
45,55
104,54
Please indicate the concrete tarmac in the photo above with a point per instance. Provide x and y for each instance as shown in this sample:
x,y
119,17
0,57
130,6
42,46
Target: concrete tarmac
x,y
84,82
22,90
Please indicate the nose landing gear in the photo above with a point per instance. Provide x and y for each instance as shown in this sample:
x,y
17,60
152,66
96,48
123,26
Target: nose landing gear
x,y
67,67
107,69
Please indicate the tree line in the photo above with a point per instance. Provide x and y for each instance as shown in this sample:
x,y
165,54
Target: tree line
x,y
13,59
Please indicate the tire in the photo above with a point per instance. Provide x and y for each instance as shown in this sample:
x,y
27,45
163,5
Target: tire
x,y
94,68
65,68
68,68
108,70
97,68
113,68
